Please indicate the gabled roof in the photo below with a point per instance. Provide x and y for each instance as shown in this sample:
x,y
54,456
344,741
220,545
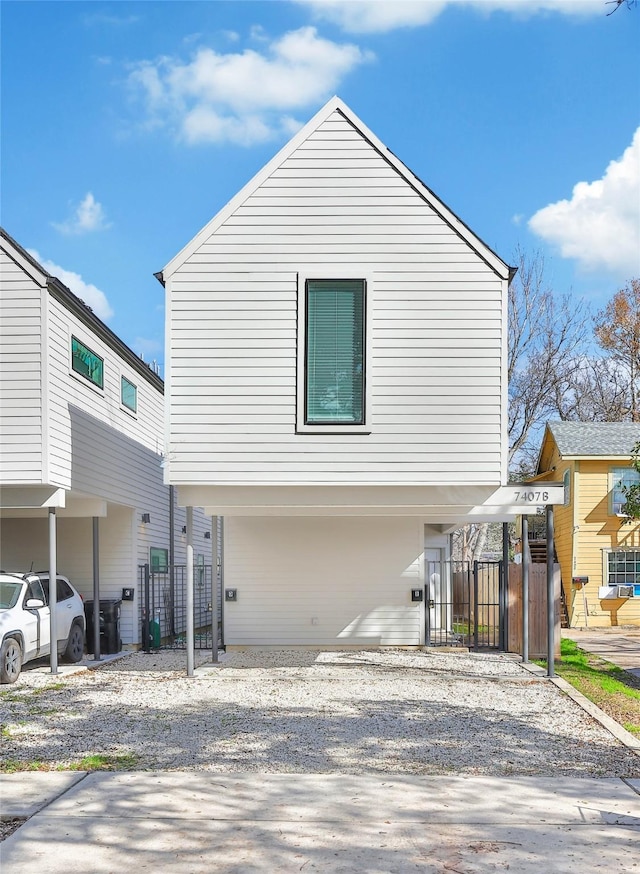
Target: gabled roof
x,y
78,307
336,105
594,439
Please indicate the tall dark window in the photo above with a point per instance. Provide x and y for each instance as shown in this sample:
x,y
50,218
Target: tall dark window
x,y
335,360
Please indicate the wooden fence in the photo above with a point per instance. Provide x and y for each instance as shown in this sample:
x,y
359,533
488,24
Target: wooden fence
x,y
537,610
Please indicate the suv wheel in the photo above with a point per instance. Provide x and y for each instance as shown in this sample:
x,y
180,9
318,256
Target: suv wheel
x,y
75,644
10,660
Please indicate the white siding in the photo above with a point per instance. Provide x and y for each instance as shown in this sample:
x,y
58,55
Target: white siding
x,y
436,331
21,400
97,446
354,576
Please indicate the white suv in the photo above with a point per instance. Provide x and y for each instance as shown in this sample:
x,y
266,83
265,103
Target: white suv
x,y
25,621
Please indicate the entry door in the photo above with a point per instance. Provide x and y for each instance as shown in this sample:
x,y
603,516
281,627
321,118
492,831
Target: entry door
x,y
439,602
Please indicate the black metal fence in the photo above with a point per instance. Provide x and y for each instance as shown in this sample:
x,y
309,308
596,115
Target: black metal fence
x,y
465,604
163,607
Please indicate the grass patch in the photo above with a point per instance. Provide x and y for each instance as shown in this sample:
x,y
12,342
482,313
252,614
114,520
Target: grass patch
x,y
115,762
613,690
97,762
12,766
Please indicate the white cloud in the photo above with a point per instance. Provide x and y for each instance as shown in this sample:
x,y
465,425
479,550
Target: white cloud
x,y
600,225
380,16
243,97
87,292
88,216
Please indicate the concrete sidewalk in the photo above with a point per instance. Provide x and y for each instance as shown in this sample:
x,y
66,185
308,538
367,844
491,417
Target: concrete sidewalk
x,y
258,823
620,646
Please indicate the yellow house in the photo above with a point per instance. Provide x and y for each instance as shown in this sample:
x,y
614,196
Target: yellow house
x,y
597,547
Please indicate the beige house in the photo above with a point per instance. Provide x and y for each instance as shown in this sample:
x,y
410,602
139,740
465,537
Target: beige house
x,y
597,547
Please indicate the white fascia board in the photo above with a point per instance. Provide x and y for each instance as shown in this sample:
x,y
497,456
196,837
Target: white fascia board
x,y
335,104
38,275
616,458
31,497
250,187
435,499
497,264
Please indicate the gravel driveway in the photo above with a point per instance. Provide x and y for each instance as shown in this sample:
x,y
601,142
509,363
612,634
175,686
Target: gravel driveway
x,y
358,712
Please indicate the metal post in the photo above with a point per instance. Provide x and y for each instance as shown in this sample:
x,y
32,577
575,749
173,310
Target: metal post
x,y
190,598
504,590
221,518
96,590
214,589
525,589
53,592
172,562
146,624
475,605
551,624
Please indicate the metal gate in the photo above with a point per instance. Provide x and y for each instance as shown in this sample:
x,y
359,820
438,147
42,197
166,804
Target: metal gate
x,y
163,607
465,604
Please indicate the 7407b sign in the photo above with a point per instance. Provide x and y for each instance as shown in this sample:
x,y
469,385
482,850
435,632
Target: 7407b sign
x,y
528,495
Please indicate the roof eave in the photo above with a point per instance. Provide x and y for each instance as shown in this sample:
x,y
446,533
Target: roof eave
x,y
501,268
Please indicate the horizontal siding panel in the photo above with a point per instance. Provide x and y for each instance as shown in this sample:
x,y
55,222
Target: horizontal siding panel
x,y
435,319
21,447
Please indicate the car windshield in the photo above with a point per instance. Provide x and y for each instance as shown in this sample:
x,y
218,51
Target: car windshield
x,y
9,594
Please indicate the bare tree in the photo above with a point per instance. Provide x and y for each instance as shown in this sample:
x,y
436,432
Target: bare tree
x,y
598,391
547,338
617,330
618,3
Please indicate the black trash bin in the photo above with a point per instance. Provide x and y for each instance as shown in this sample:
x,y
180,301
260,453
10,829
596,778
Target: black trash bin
x,y
109,625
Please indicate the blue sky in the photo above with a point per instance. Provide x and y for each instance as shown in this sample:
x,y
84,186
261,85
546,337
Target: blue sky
x,y
127,126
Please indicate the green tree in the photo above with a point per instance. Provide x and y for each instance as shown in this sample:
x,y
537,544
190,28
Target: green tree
x,y
632,493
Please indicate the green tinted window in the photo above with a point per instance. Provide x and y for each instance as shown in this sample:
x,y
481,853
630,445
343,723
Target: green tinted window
x,y
159,559
128,394
87,363
334,381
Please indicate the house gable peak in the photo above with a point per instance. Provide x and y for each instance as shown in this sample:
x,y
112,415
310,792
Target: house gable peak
x,y
335,104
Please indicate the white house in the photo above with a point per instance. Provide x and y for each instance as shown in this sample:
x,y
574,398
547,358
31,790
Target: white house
x,y
336,388
81,434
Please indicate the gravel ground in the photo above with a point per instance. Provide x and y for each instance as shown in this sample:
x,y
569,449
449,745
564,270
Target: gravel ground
x,y
310,711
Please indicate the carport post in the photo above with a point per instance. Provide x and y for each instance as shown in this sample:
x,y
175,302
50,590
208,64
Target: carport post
x,y
214,589
190,629
53,592
551,623
525,589
96,591
504,590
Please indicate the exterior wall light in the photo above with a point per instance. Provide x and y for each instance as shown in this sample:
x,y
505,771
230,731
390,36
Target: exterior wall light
x,y
146,518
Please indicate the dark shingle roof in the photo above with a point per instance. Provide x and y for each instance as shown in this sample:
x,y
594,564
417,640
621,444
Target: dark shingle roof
x,y
608,439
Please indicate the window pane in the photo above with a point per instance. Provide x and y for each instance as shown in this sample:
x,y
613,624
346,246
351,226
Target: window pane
x,y
335,351
159,559
624,567
622,476
129,394
87,363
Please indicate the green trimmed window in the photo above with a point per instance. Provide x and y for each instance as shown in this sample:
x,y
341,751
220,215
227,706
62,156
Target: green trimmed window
x,y
335,344
87,363
128,394
622,476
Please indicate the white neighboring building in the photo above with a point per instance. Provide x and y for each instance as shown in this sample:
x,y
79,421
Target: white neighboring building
x,y
81,430
337,388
